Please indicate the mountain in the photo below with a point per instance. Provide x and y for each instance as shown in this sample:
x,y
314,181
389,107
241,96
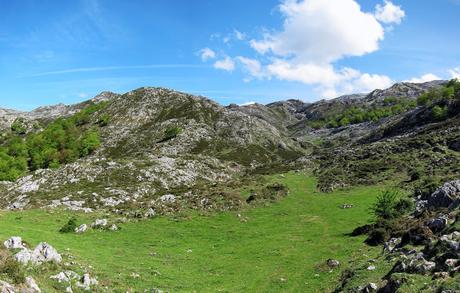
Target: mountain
x,y
137,163
158,141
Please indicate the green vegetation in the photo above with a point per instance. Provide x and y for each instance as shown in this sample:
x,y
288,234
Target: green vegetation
x,y
19,127
70,226
436,99
171,132
60,142
439,99
354,115
389,205
279,247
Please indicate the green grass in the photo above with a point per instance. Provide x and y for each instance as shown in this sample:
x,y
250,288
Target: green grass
x,y
281,248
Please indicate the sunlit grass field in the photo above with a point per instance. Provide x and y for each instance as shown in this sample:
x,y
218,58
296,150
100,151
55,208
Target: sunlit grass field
x,y
280,247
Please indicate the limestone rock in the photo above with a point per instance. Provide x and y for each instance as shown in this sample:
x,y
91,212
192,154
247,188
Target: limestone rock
x,y
32,286
87,282
14,242
99,223
81,229
45,253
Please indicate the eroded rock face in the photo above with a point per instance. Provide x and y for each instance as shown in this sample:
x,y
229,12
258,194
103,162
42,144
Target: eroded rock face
x,y
415,263
447,196
391,244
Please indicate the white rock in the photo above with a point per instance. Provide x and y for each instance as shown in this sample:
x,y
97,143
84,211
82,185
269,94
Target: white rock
x,y
23,256
81,229
14,243
86,282
61,278
32,285
6,287
150,213
168,198
99,223
113,227
371,268
45,253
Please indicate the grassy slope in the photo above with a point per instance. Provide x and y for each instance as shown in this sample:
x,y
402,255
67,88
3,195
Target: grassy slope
x,y
280,248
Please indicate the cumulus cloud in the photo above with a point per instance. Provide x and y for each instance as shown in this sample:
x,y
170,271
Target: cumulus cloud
x,y
226,64
252,66
315,34
455,73
322,31
207,54
389,13
424,78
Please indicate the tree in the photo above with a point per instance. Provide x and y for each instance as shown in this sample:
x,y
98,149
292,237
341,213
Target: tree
x,y
90,142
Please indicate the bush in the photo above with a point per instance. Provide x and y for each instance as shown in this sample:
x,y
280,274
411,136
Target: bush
x,y
171,132
19,126
104,120
70,226
385,207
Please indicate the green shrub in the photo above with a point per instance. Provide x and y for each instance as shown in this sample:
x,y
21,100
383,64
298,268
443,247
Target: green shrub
x,y
19,126
385,207
171,132
439,113
104,120
70,226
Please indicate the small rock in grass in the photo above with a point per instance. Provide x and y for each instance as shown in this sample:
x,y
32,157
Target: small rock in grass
x,y
99,223
81,229
14,242
371,268
32,286
86,282
332,263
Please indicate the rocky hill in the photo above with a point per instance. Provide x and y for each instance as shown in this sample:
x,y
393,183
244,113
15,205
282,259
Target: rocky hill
x,y
158,145
157,142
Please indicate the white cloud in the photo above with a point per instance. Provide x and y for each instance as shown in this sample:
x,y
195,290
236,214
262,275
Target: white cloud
x,y
239,35
82,95
207,54
247,103
389,13
251,66
322,31
455,73
424,78
226,64
331,82
315,35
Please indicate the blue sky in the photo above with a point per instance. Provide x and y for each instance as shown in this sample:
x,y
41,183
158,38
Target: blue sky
x,y
233,51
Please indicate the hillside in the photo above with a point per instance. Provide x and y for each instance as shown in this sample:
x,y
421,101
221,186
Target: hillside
x,y
154,157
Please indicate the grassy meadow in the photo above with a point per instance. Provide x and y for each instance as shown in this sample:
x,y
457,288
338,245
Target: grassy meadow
x,y
280,247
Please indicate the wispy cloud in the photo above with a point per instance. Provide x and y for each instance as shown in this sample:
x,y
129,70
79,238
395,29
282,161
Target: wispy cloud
x,y
113,68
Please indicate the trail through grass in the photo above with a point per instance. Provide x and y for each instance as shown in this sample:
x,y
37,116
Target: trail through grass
x,y
281,248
